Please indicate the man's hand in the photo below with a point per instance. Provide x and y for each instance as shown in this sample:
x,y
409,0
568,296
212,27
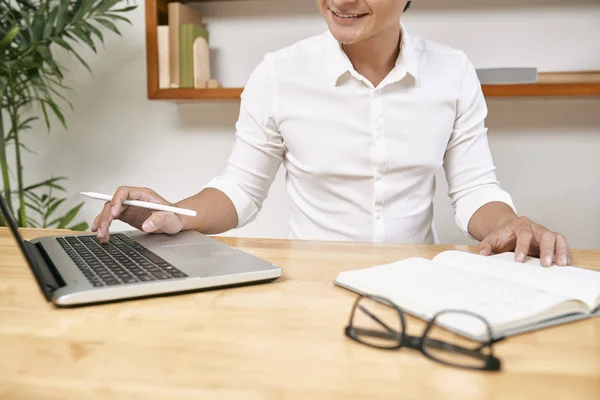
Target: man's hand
x,y
527,238
140,218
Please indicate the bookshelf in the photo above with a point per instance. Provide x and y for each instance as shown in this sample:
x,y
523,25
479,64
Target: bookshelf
x,y
555,84
550,84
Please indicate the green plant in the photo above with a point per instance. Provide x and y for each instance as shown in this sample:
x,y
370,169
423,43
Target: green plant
x,y
30,77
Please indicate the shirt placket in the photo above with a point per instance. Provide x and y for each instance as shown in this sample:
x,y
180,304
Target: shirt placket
x,y
379,162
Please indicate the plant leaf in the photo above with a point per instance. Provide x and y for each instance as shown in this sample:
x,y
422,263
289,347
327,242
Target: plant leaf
x,y
56,111
124,9
27,149
115,16
85,37
32,196
33,207
49,26
45,112
60,15
79,10
109,25
104,6
7,39
37,24
32,223
94,30
60,95
62,43
3,83
25,124
53,207
48,182
82,226
64,221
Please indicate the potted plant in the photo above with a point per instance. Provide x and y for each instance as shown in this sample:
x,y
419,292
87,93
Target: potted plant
x,y
31,79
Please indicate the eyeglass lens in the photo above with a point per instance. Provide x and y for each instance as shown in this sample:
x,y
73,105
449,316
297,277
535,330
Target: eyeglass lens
x,y
446,346
377,324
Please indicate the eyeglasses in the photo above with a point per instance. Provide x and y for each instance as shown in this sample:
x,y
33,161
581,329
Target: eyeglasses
x,y
377,322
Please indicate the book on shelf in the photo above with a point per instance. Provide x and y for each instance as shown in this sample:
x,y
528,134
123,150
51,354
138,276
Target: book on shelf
x,y
164,76
179,14
507,76
183,50
189,33
513,297
201,62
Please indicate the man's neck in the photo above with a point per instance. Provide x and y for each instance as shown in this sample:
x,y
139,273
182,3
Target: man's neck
x,y
376,56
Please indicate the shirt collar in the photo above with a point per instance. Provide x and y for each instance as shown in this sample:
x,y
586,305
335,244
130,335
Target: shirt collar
x,y
339,64
407,59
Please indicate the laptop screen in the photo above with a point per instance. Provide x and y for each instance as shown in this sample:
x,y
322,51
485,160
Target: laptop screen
x,y
8,218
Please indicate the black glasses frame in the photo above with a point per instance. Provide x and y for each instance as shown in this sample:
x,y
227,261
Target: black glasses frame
x,y
416,342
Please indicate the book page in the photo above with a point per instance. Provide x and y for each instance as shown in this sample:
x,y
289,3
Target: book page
x,y
423,287
572,282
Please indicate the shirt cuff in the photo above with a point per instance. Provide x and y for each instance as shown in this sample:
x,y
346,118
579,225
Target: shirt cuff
x,y
246,209
469,204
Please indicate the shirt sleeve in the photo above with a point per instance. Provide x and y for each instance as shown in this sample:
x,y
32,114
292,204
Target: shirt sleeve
x,y
258,149
468,163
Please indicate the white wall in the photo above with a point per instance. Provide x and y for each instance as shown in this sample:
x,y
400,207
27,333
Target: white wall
x,y
547,150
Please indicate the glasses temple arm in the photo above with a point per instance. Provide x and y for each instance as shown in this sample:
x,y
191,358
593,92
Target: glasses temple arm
x,y
476,353
491,342
377,334
380,322
415,343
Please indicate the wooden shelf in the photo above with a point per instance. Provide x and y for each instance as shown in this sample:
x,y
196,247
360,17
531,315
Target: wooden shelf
x,y
555,84
550,84
197,94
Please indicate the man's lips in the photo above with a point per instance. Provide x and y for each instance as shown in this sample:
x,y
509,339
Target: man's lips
x,y
347,16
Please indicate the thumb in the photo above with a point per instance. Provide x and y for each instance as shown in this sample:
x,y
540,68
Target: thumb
x,y
485,247
162,221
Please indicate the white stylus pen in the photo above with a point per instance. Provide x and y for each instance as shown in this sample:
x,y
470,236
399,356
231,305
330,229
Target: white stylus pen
x,y
143,204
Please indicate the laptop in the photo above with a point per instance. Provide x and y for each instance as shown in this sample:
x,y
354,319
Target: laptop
x,y
76,270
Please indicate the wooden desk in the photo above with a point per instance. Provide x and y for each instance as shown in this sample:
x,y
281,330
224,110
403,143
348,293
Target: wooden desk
x,y
282,340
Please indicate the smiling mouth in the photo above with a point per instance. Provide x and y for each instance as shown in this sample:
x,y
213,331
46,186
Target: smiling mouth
x,y
347,16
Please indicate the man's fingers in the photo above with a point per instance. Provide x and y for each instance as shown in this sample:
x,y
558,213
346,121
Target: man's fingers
x,y
562,254
523,244
547,248
135,216
103,223
133,193
497,242
121,194
95,224
527,238
162,221
485,248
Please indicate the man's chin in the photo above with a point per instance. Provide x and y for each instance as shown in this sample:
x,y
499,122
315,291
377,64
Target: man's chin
x,y
345,36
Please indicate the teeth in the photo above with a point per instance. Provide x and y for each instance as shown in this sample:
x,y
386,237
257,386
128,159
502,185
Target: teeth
x,y
347,15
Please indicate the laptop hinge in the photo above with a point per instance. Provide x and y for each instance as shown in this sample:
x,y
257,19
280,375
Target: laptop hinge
x,y
46,275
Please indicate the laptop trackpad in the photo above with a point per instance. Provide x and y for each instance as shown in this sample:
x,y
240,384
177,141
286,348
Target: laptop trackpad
x,y
195,251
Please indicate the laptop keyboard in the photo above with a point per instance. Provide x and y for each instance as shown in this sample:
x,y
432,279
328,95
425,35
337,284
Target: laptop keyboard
x,y
122,261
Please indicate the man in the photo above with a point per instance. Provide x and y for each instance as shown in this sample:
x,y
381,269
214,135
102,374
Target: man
x,y
361,117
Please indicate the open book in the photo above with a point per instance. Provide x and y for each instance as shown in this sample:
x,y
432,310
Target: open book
x,y
513,297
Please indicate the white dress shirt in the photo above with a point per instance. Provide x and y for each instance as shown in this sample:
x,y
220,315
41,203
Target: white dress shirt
x,y
360,160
